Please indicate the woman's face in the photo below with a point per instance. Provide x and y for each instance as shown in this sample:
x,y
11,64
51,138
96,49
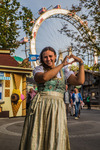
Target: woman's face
x,y
76,90
31,90
49,58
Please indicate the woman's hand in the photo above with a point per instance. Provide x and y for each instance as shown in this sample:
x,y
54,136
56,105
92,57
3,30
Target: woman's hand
x,y
65,61
75,59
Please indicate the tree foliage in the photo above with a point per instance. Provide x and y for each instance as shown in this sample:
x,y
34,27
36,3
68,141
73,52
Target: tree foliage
x,y
11,13
89,10
95,67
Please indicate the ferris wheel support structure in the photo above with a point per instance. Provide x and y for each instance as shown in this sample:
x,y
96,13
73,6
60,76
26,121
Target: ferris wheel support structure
x,y
64,14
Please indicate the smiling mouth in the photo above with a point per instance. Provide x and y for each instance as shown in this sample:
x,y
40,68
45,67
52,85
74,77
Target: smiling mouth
x,y
49,62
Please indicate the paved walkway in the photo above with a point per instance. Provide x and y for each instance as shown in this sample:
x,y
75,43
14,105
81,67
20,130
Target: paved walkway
x,y
83,133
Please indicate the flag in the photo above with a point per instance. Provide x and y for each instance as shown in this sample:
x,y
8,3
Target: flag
x,y
33,57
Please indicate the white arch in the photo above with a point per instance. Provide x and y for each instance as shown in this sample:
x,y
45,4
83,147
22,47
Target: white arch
x,y
45,16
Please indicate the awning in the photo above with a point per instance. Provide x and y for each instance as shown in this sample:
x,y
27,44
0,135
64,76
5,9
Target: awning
x,y
5,78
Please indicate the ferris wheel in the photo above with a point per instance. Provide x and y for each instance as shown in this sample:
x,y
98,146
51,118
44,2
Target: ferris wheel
x,y
57,12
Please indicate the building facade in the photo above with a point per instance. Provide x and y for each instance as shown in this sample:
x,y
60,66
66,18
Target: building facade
x,y
91,87
12,86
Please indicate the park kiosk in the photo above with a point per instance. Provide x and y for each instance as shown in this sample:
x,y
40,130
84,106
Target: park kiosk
x,y
13,85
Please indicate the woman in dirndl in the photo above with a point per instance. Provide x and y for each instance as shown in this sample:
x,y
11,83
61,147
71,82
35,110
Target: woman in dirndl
x,y
45,126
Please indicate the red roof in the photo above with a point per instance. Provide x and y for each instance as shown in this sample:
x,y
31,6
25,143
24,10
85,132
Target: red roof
x,y
7,60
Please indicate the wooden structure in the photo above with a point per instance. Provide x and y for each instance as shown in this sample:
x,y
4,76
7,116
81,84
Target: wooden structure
x,y
92,86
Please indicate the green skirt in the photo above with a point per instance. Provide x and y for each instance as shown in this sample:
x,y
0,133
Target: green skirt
x,y
45,126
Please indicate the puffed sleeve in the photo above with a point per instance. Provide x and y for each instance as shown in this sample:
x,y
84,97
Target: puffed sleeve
x,y
67,72
38,69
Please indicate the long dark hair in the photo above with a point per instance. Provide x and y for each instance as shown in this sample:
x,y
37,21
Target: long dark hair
x,y
44,50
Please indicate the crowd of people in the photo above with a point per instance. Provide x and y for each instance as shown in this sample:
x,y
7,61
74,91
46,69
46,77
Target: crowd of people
x,y
74,102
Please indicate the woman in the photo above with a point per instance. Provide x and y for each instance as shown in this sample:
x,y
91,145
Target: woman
x,y
77,100
45,126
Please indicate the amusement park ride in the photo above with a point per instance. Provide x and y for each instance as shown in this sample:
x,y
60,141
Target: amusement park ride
x,y
66,15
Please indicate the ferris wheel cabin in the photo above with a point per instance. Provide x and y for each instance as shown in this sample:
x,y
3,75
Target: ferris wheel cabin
x,y
42,10
58,6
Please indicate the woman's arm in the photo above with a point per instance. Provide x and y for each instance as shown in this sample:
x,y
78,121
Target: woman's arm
x,y
46,76
80,78
74,80
73,97
41,77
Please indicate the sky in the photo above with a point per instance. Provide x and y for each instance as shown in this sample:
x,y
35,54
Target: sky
x,y
47,34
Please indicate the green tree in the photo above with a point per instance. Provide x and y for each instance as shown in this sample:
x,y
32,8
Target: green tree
x,y
11,14
95,67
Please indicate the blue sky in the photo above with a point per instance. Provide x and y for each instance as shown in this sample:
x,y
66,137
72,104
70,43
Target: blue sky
x,y
48,34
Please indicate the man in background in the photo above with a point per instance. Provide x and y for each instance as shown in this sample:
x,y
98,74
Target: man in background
x,y
66,100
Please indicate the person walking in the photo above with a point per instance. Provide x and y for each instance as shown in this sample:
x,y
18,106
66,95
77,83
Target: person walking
x,y
45,126
72,104
66,100
30,96
77,98
88,102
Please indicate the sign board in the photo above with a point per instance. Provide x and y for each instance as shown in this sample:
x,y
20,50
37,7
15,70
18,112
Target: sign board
x,y
33,57
5,78
1,74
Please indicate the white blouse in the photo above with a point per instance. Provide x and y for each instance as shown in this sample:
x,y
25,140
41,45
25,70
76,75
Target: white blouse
x,y
67,73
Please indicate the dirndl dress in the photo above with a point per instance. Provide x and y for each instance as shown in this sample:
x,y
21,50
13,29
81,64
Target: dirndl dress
x,y
45,126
